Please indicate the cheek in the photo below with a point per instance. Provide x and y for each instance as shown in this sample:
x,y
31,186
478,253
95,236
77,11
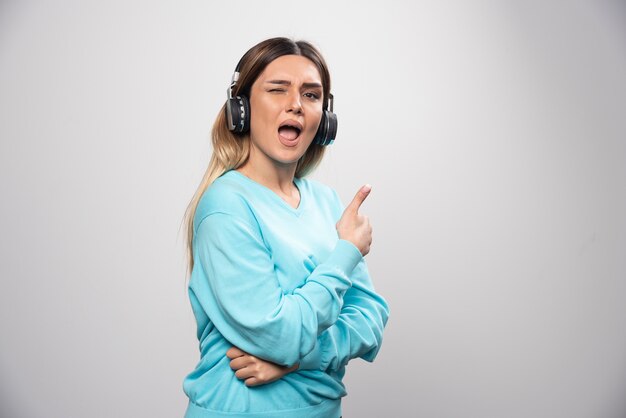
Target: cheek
x,y
316,119
263,113
261,116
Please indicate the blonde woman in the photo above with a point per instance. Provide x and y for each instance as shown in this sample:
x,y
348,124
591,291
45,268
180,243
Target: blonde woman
x,y
279,285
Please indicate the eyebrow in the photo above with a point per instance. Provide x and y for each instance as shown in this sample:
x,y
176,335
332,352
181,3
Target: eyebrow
x,y
288,83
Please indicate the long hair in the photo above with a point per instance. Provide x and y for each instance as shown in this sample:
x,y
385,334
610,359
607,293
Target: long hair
x,y
231,150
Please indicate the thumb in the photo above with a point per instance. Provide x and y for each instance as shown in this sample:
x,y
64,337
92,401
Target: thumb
x,y
359,198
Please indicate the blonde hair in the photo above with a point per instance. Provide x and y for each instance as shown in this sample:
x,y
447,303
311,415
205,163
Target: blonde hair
x,y
231,150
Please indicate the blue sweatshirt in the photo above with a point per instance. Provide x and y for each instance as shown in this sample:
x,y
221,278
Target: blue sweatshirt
x,y
278,283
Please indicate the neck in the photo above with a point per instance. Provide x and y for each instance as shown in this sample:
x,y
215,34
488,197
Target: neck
x,y
274,176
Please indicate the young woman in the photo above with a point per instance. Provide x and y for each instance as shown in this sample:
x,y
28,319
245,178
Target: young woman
x,y
279,286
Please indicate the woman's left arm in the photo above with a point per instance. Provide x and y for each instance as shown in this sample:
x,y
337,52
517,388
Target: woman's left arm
x,y
357,333
359,330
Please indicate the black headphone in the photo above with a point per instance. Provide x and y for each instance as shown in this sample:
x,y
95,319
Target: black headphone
x,y
238,115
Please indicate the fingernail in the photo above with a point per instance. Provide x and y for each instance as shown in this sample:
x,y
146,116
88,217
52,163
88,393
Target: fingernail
x,y
367,188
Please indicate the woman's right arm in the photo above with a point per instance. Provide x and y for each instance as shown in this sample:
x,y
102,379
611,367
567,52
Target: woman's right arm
x,y
240,292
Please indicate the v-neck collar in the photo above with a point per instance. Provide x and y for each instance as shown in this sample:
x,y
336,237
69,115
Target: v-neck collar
x,y
297,181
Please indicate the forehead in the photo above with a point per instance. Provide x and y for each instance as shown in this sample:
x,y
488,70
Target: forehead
x,y
291,67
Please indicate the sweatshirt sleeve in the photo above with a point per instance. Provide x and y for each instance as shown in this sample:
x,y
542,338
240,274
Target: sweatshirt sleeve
x,y
240,292
358,331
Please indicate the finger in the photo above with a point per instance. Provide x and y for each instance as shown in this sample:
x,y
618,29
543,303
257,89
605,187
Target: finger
x,y
360,196
234,352
239,362
252,381
244,373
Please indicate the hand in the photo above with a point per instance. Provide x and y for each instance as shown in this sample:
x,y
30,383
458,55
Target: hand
x,y
254,370
354,227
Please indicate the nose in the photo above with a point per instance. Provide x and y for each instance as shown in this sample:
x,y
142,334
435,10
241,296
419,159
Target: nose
x,y
293,103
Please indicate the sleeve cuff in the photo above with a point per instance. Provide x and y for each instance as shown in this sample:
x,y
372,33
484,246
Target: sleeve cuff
x,y
345,256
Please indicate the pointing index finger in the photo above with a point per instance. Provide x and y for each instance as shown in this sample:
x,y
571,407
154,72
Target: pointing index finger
x,y
359,198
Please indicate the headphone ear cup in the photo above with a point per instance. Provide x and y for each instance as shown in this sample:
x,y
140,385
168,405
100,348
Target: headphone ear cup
x,y
327,131
238,114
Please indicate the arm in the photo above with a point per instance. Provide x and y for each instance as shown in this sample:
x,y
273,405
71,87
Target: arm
x,y
358,331
241,294
255,371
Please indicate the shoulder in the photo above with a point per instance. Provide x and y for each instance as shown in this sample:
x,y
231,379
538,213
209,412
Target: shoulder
x,y
226,195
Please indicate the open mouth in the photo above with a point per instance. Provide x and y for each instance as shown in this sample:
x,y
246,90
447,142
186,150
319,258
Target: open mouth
x,y
290,130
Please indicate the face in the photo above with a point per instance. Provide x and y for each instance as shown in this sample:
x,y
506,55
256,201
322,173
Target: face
x,y
288,92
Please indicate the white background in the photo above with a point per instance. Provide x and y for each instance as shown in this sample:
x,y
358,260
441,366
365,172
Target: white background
x,y
493,134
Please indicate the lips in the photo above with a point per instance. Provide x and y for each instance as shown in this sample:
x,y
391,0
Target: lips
x,y
289,132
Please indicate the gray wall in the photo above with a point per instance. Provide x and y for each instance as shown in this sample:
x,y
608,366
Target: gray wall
x,y
493,135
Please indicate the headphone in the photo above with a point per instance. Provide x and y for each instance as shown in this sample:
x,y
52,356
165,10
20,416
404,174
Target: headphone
x,y
238,115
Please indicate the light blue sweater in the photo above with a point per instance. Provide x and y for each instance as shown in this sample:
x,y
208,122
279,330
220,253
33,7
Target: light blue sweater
x,y
278,283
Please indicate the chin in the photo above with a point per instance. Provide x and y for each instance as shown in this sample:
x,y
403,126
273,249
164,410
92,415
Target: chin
x,y
290,155
287,159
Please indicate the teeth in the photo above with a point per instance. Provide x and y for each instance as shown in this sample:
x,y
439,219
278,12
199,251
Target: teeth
x,y
291,126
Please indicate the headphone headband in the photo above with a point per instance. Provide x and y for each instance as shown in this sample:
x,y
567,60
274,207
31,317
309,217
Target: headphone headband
x,y
233,81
